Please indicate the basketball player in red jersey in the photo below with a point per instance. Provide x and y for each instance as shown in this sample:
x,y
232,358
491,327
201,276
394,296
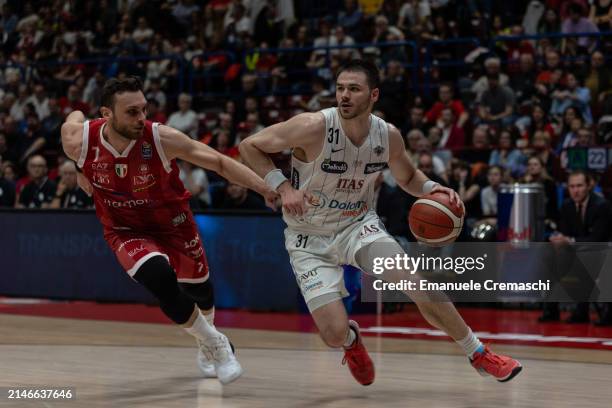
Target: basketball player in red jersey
x,y
329,204
128,163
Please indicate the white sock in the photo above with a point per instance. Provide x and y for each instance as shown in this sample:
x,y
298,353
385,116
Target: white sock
x,y
201,328
470,344
350,338
210,317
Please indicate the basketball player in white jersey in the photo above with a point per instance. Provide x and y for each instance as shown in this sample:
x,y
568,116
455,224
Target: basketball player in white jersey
x,y
328,206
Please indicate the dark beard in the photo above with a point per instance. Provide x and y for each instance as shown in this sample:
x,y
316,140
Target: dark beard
x,y
125,132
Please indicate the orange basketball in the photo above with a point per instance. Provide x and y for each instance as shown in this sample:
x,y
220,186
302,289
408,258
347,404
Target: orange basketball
x,y
434,221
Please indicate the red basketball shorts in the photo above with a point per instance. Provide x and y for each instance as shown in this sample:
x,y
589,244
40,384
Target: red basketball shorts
x,y
182,247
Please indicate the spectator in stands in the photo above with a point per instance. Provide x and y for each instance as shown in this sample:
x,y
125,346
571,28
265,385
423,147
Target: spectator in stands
x,y
350,17
480,150
416,120
340,38
268,25
492,67
600,14
541,142
413,12
462,182
426,165
72,101
40,101
507,155
412,144
523,81
93,90
488,196
52,124
254,123
537,173
39,192
17,110
424,146
549,23
599,80
382,30
585,217
452,135
584,137
7,188
142,34
154,113
154,91
68,194
183,10
445,93
196,182
6,154
577,23
496,105
185,119
319,92
32,140
393,90
240,198
553,62
538,121
572,95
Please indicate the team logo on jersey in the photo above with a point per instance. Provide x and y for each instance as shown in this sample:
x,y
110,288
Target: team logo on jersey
x,y
295,178
374,167
318,199
121,170
144,168
349,185
336,167
146,150
379,150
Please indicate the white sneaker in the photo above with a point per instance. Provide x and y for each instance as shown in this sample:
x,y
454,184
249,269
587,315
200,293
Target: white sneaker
x,y
205,363
219,350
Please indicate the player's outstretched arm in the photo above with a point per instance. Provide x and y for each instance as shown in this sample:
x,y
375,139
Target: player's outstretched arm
x,y
177,145
72,142
304,131
410,179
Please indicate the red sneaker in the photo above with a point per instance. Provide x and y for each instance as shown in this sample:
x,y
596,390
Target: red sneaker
x,y
359,362
500,367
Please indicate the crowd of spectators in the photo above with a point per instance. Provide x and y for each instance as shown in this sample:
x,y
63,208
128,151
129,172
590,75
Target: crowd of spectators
x,y
474,114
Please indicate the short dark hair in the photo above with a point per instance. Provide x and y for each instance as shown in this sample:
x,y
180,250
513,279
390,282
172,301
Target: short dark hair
x,y
578,172
116,86
368,68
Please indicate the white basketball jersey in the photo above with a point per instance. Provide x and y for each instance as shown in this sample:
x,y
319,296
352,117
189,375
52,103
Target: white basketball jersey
x,y
341,179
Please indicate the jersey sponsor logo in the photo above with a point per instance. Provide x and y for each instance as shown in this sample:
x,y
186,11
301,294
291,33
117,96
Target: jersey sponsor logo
x,y
100,166
144,168
146,150
318,199
349,208
295,178
379,150
369,229
142,182
136,251
349,185
336,167
179,219
127,203
374,167
121,169
101,178
336,150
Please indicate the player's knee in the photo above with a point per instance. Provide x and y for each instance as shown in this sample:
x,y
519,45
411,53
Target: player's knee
x,y
202,293
158,277
334,333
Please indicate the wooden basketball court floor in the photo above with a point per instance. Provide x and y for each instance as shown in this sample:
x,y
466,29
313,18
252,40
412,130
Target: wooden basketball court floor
x,y
121,364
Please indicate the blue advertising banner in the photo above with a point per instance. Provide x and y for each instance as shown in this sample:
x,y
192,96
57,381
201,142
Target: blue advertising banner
x,y
62,255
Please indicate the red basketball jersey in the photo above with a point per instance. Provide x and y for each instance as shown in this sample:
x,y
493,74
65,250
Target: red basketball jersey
x,y
138,189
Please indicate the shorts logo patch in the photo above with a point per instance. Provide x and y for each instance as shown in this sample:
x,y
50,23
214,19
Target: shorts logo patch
x,y
369,229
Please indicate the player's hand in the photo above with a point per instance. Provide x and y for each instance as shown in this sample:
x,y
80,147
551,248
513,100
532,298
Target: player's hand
x,y
271,197
293,201
452,194
84,184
